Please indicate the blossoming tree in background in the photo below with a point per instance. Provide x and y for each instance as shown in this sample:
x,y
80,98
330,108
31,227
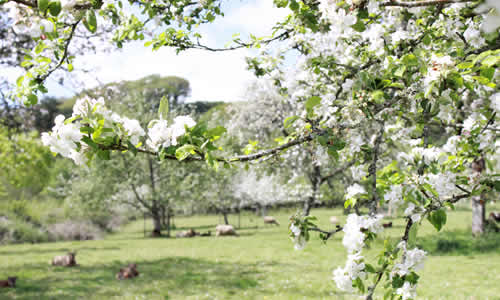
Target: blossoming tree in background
x,y
373,80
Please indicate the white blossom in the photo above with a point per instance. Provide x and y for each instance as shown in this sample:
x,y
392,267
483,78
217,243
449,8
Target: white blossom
x,y
134,130
354,268
407,291
354,190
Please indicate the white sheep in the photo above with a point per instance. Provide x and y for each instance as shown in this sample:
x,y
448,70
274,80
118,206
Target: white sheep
x,y
222,230
271,220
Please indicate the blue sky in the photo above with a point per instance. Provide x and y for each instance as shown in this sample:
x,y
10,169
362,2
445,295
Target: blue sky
x,y
213,76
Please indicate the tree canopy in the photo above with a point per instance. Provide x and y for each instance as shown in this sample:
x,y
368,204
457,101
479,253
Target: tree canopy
x,y
371,82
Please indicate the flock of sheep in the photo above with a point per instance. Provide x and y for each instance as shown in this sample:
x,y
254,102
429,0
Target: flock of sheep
x,y
130,271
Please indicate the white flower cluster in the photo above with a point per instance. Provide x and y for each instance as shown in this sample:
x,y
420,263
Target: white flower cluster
x,y
412,260
65,138
415,212
353,269
394,197
440,65
162,135
298,240
358,172
407,291
354,240
354,190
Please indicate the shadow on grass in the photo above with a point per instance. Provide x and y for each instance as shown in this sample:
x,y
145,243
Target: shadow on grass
x,y
177,275
459,242
60,250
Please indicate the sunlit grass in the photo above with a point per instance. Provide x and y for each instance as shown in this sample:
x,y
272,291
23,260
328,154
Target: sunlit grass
x,y
260,264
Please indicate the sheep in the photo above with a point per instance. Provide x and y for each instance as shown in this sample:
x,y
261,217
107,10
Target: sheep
x,y
65,260
10,282
222,230
187,233
271,220
387,225
495,216
128,272
334,220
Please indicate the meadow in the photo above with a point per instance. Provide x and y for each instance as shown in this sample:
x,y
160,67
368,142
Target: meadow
x,y
259,264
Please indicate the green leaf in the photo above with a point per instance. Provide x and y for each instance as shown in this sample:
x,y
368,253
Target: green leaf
x,y
400,71
412,235
184,151
378,96
428,92
90,142
359,26
311,103
487,73
491,61
465,65
163,110
369,268
43,5
55,8
289,121
104,154
90,21
437,218
31,99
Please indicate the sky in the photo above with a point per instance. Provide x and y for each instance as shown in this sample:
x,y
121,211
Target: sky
x,y
220,76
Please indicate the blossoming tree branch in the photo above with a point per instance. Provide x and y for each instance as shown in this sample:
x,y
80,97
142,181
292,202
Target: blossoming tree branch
x,y
405,93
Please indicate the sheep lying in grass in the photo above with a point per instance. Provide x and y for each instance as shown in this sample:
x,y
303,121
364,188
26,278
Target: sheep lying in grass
x,y
387,225
187,234
495,216
67,260
271,220
128,272
10,282
334,220
222,230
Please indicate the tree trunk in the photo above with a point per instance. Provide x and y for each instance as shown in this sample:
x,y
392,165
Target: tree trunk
x,y
169,216
478,203
263,211
308,205
315,179
156,224
478,215
224,213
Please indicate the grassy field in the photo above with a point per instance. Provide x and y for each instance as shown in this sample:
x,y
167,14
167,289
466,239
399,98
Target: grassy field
x,y
260,264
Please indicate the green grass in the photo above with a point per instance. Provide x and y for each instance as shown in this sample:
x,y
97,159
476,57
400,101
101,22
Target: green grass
x,y
260,264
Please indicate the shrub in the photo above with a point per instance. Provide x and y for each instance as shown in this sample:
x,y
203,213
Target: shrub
x,y
20,232
74,230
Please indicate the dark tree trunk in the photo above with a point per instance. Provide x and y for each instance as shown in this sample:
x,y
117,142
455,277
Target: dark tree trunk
x,y
156,223
224,213
315,178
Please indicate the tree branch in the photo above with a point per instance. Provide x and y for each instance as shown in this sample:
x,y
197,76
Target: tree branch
x,y
65,53
282,36
422,3
336,171
327,234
